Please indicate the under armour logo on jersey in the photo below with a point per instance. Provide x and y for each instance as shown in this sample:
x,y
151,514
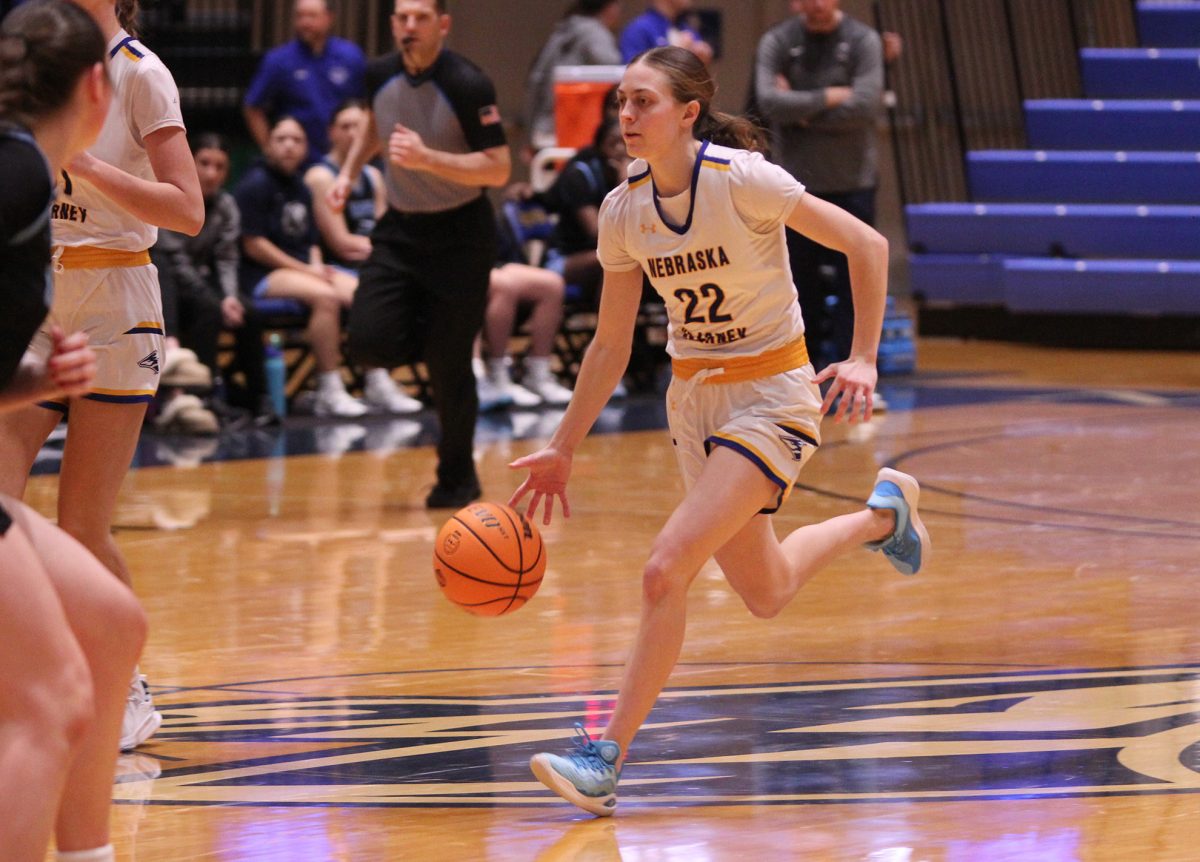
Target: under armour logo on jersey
x,y
150,361
649,228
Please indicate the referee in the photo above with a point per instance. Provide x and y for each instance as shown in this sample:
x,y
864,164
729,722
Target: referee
x,y
423,291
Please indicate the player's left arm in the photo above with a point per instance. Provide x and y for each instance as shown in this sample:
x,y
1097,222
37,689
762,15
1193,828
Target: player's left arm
x,y
171,200
866,251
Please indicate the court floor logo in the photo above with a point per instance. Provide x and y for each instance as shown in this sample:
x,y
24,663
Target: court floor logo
x,y
1068,733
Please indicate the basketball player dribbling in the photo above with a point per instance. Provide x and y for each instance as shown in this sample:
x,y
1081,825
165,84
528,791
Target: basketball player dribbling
x,y
704,219
72,632
139,174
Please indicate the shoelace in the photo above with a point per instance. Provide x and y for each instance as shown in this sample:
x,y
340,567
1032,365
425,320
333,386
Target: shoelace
x,y
586,754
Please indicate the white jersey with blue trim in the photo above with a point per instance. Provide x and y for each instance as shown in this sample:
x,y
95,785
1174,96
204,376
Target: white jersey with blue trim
x,y
145,99
723,274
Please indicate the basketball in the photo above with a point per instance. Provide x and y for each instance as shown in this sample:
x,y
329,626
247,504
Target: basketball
x,y
488,559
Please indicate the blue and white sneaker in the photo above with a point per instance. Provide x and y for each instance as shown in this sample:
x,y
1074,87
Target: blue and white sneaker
x,y
586,777
908,548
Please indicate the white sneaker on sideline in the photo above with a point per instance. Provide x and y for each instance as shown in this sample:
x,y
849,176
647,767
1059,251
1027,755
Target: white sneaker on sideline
x,y
385,394
141,720
548,389
523,396
491,396
337,402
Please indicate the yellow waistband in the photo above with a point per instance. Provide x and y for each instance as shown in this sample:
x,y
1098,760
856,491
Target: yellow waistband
x,y
738,369
90,257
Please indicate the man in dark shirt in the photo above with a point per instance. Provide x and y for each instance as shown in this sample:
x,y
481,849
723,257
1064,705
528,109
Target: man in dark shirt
x,y
423,291
306,78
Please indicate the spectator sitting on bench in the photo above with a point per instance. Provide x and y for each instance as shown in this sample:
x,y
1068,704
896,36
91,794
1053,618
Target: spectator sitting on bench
x,y
282,260
346,236
514,282
203,273
576,196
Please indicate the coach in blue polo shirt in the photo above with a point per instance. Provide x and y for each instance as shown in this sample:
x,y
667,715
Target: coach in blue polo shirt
x,y
307,78
661,25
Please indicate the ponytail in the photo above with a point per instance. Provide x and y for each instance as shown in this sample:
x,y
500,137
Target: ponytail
x,y
127,15
729,130
45,47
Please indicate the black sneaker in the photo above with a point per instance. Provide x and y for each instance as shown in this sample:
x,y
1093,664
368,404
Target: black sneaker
x,y
453,496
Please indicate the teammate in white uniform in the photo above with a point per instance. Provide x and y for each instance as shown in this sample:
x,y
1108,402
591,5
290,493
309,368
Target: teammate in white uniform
x,y
72,632
706,223
139,174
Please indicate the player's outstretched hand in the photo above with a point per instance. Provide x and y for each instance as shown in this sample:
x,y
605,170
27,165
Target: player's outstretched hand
x,y
854,380
549,470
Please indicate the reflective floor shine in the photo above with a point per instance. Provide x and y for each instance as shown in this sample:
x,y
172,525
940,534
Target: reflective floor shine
x,y
1033,695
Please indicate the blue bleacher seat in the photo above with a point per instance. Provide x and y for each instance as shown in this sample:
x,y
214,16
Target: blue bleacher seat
x,y
1067,230
1172,24
1084,124
1102,215
1084,176
1136,287
1140,73
957,279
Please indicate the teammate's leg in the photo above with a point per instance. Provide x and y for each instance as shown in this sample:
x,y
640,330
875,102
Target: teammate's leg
x,y
108,624
99,450
22,433
45,698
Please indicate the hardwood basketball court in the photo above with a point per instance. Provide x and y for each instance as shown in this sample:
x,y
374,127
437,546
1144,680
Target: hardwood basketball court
x,y
1032,695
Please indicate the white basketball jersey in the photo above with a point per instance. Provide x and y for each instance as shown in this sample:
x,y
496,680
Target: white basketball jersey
x,y
145,100
724,274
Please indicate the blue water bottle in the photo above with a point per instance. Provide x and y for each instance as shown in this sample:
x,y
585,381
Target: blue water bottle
x,y
276,374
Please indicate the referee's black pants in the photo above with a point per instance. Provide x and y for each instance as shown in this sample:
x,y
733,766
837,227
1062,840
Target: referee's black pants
x,y
421,296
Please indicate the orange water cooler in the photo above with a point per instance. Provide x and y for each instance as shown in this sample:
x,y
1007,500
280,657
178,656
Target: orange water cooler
x,y
579,93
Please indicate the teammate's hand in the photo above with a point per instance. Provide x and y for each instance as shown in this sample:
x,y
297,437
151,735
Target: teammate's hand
x,y
83,165
549,470
72,364
406,149
854,380
339,193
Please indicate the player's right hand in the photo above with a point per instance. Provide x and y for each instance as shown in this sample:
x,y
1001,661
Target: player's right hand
x,y
549,470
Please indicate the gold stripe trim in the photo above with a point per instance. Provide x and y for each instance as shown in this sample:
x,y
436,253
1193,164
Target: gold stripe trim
x,y
738,369
90,257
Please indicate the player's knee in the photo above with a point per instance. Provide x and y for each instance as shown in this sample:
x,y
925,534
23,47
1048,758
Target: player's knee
x,y
58,707
114,624
661,577
763,607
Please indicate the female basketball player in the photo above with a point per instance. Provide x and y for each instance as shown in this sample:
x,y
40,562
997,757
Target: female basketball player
x,y
139,173
706,222
72,632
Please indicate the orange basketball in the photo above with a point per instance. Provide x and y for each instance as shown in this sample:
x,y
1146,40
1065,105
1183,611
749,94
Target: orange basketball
x,y
488,559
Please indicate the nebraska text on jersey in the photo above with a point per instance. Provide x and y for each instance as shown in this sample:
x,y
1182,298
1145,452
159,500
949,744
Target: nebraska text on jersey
x,y
681,264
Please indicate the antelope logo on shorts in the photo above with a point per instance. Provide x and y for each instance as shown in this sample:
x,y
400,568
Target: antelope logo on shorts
x,y
400,740
149,361
795,446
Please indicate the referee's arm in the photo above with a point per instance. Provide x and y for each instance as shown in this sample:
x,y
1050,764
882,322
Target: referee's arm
x,y
489,167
